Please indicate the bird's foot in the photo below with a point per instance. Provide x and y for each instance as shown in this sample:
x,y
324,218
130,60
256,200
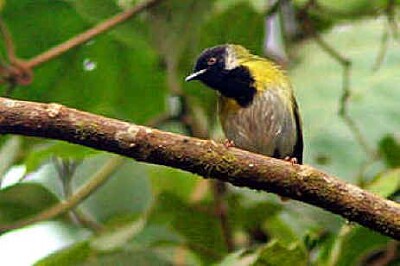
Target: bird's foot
x,y
292,160
229,143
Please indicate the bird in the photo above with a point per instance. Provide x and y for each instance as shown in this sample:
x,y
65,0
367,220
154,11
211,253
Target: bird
x,y
257,108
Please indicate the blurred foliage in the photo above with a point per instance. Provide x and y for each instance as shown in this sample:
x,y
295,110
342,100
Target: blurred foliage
x,y
153,215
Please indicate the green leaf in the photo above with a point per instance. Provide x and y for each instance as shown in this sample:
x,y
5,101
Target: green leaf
x,y
107,75
389,148
111,246
353,244
118,237
130,33
138,257
244,28
279,229
238,258
24,200
172,30
386,183
73,255
329,143
110,78
154,235
166,179
277,253
34,35
64,150
127,192
201,230
258,5
8,153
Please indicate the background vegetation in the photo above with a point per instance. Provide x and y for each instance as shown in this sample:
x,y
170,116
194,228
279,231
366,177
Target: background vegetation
x,y
343,58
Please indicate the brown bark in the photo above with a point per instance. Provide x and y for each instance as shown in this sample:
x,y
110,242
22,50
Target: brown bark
x,y
202,157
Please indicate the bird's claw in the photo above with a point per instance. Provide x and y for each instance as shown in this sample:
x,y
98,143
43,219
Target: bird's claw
x,y
292,160
229,143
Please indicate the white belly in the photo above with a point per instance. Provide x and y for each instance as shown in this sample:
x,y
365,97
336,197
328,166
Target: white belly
x,y
267,126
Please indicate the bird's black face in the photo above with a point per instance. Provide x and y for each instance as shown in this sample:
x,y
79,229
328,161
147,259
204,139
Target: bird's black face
x,y
231,81
210,67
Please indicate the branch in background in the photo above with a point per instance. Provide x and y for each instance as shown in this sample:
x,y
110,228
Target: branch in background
x,y
91,33
98,179
382,50
202,157
12,70
346,65
20,72
66,169
8,42
391,28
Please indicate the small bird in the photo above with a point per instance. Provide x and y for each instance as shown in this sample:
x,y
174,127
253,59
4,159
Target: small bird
x,y
257,107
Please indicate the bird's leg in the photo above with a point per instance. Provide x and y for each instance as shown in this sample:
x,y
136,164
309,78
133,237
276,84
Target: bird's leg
x,y
292,160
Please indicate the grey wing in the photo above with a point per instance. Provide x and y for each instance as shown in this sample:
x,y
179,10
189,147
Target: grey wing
x,y
280,125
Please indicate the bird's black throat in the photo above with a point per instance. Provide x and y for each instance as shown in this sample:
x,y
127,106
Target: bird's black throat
x,y
234,83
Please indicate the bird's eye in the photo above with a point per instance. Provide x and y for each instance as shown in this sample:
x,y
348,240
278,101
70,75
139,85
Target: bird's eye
x,y
211,61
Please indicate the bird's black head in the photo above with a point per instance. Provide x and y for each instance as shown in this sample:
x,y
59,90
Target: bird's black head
x,y
210,66
217,67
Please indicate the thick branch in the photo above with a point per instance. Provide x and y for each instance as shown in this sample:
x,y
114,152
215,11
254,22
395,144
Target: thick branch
x,y
202,157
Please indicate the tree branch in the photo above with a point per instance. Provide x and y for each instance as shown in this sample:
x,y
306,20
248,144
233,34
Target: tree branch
x,y
89,34
202,157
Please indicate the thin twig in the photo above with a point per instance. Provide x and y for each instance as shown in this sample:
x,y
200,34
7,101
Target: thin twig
x,y
221,211
382,50
388,256
12,70
89,34
66,169
8,42
390,29
346,92
391,19
98,179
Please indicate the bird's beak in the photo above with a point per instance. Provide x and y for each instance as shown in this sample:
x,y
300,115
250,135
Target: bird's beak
x,y
195,75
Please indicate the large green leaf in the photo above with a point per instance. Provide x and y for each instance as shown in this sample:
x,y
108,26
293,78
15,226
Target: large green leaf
x,y
113,246
277,253
128,191
389,148
352,244
72,255
200,229
239,258
24,200
178,182
43,153
329,143
9,151
38,31
105,75
139,258
386,183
